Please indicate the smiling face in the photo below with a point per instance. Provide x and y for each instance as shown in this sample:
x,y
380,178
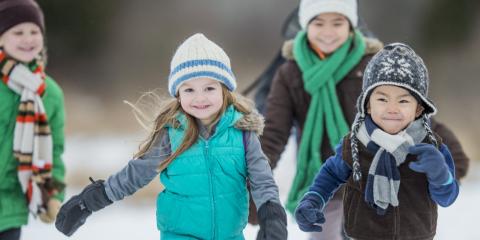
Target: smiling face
x,y
202,98
328,31
393,108
23,41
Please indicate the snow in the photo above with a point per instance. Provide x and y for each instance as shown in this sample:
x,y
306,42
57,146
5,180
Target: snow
x,y
136,219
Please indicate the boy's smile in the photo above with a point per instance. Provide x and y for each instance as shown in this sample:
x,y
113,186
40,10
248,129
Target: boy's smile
x,y
393,108
23,41
202,98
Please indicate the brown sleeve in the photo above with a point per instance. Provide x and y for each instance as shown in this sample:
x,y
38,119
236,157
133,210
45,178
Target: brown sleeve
x,y
459,157
278,117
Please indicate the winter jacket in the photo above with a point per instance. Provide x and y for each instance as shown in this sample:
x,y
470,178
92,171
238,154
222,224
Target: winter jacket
x,y
288,102
415,218
242,157
13,207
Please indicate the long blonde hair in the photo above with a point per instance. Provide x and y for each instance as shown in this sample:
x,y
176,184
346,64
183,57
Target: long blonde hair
x,y
167,115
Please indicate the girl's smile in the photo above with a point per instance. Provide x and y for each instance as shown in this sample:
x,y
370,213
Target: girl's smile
x,y
202,98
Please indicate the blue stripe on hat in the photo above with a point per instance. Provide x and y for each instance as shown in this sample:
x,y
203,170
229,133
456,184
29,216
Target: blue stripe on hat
x,y
225,80
201,62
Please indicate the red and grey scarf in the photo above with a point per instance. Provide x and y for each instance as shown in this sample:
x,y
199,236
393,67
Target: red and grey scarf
x,y
32,141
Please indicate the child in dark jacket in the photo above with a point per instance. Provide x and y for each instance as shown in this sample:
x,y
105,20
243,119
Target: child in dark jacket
x,y
395,168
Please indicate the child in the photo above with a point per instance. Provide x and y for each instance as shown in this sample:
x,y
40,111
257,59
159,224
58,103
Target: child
x,y
31,121
395,168
315,91
204,146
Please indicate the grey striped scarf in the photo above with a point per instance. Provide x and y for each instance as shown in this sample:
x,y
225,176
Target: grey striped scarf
x,y
390,151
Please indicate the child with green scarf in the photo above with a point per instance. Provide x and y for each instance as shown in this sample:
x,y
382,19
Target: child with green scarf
x,y
315,90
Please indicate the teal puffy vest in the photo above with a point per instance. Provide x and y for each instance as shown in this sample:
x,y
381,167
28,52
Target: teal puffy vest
x,y
205,192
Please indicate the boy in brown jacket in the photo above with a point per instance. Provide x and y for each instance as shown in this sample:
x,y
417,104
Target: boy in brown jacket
x,y
396,169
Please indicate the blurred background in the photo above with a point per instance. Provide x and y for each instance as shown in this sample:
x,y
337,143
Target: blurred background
x,y
104,52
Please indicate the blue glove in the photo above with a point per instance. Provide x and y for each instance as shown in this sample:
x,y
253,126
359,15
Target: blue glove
x,y
309,213
431,162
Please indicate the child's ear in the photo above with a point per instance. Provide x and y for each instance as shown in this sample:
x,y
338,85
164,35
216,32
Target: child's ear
x,y
368,108
419,111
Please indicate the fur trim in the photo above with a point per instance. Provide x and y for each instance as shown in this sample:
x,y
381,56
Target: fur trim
x,y
373,45
287,49
252,121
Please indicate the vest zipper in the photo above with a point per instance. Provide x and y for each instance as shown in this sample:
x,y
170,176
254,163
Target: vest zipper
x,y
212,195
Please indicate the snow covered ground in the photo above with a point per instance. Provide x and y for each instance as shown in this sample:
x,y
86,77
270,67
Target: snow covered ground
x,y
136,219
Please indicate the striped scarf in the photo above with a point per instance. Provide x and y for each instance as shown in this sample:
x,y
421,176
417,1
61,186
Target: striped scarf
x,y
32,141
390,151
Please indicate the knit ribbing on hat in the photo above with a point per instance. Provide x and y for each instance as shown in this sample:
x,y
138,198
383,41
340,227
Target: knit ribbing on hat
x,y
309,9
14,12
199,57
397,64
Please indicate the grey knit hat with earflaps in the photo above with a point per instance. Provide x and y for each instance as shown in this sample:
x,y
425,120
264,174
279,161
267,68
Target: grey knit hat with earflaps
x,y
396,64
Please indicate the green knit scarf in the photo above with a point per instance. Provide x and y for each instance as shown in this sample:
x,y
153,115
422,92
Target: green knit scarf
x,y
320,78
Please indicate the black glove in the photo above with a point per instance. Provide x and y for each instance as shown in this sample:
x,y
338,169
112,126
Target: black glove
x,y
273,222
75,211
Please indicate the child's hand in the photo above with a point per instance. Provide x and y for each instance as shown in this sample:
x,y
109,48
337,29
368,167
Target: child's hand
x,y
309,213
273,222
75,211
431,162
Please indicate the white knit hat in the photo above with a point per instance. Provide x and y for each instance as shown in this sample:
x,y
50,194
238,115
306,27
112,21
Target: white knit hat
x,y
312,8
199,57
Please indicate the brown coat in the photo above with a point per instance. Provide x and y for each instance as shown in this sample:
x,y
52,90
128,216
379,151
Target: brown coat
x,y
414,219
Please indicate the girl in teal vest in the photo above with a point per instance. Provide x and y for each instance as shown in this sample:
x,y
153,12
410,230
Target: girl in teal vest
x,y
31,122
205,147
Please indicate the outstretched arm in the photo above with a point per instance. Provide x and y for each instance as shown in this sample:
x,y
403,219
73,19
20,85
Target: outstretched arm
x,y
138,172
100,194
309,212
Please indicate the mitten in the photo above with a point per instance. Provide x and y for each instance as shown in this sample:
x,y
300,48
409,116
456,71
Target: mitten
x,y
273,222
309,213
431,162
49,188
52,208
75,211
